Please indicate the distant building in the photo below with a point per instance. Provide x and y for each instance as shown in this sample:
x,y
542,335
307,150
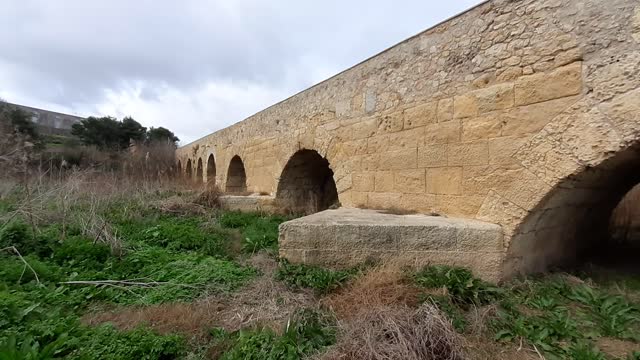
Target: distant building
x,y
51,122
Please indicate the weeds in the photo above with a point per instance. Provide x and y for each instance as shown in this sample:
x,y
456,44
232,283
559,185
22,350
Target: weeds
x,y
306,332
317,278
460,284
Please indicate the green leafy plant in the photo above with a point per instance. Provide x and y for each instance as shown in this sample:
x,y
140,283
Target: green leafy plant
x,y
463,287
307,331
30,349
320,279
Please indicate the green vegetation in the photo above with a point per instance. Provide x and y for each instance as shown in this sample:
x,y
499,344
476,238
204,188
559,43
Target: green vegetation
x,y
307,332
561,318
259,232
108,133
164,259
143,262
320,279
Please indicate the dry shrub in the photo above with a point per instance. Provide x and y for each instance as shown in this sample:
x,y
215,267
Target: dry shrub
x,y
194,319
209,198
383,285
178,205
398,332
264,302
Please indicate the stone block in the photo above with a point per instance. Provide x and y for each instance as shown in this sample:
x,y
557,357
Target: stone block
x,y
432,156
561,82
445,110
444,180
420,115
422,203
410,181
363,181
502,149
391,122
412,240
496,97
384,181
443,133
483,127
383,200
473,153
400,159
465,106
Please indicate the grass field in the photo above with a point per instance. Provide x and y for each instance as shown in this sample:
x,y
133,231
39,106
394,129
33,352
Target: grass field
x,y
91,269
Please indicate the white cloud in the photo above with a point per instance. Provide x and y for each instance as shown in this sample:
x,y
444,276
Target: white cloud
x,y
193,66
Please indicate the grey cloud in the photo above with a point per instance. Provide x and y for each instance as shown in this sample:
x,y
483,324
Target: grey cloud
x,y
71,52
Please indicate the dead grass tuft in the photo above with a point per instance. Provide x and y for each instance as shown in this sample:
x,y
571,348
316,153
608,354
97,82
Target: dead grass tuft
x,y
383,285
398,332
616,348
194,319
209,198
177,205
264,303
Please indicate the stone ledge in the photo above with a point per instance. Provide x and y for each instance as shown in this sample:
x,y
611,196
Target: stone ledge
x,y
347,237
248,203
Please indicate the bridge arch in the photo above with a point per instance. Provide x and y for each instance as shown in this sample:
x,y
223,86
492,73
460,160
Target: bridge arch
x,y
307,184
576,220
199,171
211,170
189,169
236,176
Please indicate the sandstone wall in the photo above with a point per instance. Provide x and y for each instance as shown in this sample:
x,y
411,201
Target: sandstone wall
x,y
501,114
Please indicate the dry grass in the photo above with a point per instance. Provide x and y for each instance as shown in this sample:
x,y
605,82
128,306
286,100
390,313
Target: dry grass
x,y
398,332
381,286
616,348
194,318
209,198
178,205
264,302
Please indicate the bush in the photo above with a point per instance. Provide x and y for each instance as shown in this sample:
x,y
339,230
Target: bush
x,y
19,235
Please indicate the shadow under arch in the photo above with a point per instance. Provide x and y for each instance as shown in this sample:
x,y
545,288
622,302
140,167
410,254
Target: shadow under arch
x,y
179,168
236,176
306,184
189,169
211,170
199,174
570,226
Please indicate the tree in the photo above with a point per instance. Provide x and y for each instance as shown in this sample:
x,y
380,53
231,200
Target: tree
x,y
102,132
160,134
131,130
19,120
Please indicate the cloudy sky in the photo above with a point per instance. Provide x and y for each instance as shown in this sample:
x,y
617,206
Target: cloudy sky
x,y
193,66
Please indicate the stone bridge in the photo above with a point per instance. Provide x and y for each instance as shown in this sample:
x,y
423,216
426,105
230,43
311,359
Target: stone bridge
x,y
520,113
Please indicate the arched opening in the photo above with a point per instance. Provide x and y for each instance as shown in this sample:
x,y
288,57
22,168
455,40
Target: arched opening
x,y
306,184
179,168
189,170
211,171
236,176
589,218
199,175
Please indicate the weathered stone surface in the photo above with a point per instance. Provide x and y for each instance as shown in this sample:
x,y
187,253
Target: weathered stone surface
x,y
420,115
410,181
565,81
444,180
519,113
250,203
346,237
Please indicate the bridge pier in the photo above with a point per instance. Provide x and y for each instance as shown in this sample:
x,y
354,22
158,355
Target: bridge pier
x,y
348,237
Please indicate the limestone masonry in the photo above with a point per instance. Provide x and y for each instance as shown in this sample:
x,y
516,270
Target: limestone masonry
x,y
524,114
